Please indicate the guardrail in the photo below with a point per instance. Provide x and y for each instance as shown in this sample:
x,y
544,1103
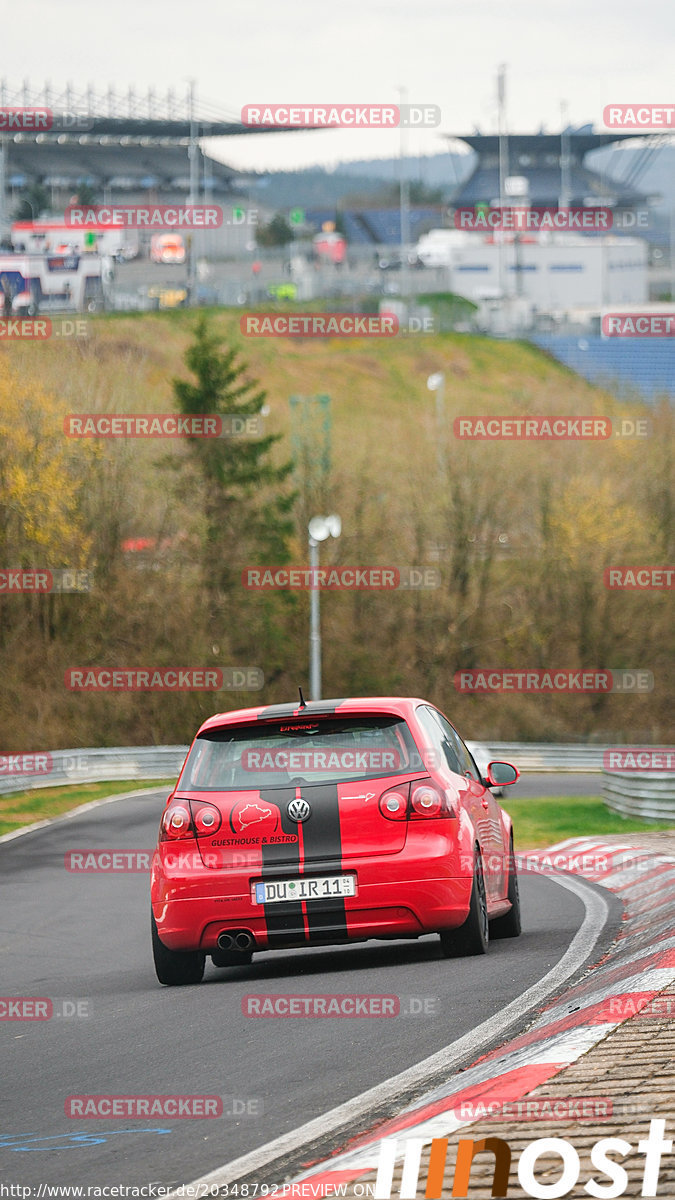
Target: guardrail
x,y
54,768
548,756
20,772
646,794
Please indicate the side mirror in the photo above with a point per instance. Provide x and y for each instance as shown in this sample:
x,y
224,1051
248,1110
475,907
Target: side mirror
x,y
501,774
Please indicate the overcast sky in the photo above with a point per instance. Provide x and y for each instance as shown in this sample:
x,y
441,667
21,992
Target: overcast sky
x,y
444,52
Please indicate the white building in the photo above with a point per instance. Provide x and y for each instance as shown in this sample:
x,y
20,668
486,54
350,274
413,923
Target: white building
x,y
559,273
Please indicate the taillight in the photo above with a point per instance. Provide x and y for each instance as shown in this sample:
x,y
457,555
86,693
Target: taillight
x,y
394,803
426,801
185,819
206,817
413,801
177,822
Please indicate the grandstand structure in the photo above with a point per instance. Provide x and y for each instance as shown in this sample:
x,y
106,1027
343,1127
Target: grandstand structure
x,y
122,144
378,226
553,169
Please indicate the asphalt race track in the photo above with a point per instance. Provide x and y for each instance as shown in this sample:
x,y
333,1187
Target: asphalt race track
x,y
85,938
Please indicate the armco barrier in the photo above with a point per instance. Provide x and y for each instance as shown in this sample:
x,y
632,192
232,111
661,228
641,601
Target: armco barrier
x,y
560,756
646,794
89,766
165,762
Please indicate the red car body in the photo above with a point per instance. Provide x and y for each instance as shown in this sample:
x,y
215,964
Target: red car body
x,y
402,811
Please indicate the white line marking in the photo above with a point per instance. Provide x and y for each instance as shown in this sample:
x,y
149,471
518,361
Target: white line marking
x,y
581,946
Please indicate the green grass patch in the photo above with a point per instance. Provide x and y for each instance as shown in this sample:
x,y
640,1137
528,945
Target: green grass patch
x,y
544,820
25,808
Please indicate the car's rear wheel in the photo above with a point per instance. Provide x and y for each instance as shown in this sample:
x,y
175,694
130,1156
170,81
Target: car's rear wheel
x,y
473,936
509,926
174,968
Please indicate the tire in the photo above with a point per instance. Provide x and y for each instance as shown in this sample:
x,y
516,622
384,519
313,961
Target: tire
x,y
473,936
173,968
509,926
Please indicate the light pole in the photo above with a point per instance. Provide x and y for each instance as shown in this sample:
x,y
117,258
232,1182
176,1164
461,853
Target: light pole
x,y
4,222
503,173
193,198
319,529
436,383
404,199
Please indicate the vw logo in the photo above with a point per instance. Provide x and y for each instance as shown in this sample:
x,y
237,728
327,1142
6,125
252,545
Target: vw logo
x,y
298,811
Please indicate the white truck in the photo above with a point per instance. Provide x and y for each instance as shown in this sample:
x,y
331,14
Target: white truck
x,y
435,248
55,237
30,283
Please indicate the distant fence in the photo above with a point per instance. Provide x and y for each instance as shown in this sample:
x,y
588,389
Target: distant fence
x,y
20,772
646,794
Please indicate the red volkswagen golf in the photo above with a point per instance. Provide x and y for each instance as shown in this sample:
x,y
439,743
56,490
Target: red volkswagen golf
x,y
325,823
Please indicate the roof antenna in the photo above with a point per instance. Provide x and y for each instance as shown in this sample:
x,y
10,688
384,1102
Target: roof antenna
x,y
303,702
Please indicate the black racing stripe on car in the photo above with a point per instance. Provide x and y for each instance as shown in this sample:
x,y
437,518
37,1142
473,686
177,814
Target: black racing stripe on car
x,y
313,708
322,840
284,920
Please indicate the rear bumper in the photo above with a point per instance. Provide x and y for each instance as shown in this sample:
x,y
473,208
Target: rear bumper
x,y
394,898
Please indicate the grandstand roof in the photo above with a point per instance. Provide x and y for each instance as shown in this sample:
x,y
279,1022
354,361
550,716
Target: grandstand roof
x,y
135,166
537,157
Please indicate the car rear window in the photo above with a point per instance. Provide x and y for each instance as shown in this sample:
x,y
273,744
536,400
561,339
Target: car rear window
x,y
276,754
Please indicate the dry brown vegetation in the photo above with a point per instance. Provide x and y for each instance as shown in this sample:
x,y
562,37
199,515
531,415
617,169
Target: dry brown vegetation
x,y
520,531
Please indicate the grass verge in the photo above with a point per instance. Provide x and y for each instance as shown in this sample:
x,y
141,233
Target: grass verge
x,y
544,820
25,808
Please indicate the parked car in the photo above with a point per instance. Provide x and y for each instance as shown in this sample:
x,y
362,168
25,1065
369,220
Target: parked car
x,y
331,822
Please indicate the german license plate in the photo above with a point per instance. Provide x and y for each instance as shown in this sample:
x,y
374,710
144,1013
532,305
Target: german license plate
x,y
309,887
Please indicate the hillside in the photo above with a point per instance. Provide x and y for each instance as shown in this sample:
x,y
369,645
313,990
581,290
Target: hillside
x,y
520,531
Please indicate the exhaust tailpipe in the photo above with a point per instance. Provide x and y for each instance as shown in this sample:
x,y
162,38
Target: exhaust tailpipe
x,y
241,941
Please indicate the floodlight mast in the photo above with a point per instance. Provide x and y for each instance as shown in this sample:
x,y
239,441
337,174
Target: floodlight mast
x,y
319,529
